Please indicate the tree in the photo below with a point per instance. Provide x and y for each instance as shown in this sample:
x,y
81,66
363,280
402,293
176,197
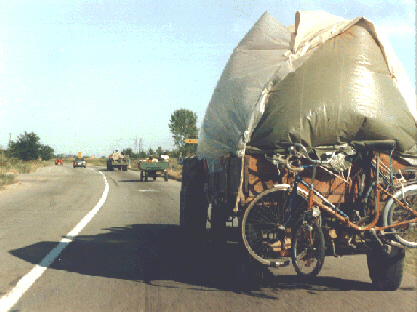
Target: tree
x,y
142,154
183,125
46,152
28,147
129,152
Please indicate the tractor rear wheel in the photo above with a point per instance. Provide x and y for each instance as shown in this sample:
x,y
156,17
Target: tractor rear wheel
x,y
193,202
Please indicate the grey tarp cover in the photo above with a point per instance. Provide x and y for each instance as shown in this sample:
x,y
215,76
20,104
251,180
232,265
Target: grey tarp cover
x,y
323,81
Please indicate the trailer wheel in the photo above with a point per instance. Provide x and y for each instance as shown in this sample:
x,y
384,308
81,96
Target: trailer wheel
x,y
386,268
218,223
193,202
146,176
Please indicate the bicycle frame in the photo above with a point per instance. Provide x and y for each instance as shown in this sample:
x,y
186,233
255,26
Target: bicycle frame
x,y
330,208
310,200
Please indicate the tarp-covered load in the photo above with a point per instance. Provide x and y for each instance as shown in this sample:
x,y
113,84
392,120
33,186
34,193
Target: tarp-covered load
x,y
322,81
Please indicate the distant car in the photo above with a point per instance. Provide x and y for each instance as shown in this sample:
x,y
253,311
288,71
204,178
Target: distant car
x,y
79,162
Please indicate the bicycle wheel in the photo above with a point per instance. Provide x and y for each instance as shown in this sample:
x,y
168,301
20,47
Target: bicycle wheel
x,y
307,248
263,224
394,213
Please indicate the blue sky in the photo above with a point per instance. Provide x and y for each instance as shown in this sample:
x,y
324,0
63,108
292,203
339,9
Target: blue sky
x,y
94,76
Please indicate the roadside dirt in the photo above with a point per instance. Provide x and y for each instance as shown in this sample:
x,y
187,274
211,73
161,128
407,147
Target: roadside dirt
x,y
175,175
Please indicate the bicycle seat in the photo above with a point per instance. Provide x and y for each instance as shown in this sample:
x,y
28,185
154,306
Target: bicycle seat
x,y
375,145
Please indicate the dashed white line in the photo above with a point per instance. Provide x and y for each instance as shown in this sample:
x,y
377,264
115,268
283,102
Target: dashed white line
x,y
11,298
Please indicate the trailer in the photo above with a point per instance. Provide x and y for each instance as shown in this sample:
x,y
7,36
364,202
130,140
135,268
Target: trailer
x,y
118,161
151,168
284,86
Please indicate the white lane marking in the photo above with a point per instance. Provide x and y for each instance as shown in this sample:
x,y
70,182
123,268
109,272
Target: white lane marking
x,y
13,296
148,191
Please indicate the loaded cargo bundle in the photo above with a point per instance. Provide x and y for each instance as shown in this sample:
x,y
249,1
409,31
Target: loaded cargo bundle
x,y
323,81
325,84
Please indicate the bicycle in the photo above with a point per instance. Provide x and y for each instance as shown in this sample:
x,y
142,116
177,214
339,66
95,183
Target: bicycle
x,y
286,208
268,218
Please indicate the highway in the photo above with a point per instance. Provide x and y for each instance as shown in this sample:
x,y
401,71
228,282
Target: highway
x,y
75,239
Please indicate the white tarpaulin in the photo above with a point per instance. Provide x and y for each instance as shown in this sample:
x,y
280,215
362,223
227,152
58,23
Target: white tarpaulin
x,y
322,81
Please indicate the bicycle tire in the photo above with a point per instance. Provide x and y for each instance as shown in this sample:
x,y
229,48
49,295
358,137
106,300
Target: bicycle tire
x,y
393,212
367,209
263,223
308,255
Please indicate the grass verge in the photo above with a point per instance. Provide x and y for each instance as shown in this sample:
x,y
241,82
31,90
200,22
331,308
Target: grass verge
x,y
10,168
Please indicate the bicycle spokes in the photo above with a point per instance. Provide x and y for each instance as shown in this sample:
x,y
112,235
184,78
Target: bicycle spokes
x,y
265,230
403,211
308,248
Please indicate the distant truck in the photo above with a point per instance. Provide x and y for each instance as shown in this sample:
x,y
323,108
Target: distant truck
x,y
118,161
152,166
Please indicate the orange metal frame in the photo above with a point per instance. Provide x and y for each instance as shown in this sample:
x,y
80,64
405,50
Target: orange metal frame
x,y
312,201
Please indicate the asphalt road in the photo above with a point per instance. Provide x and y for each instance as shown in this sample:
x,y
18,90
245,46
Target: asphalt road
x,y
92,240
